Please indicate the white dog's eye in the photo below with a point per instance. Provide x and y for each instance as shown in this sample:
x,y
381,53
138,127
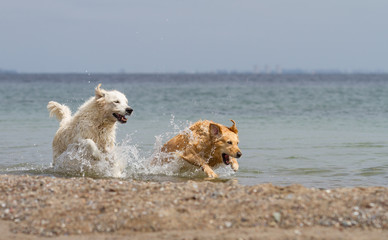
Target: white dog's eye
x,y
117,101
230,142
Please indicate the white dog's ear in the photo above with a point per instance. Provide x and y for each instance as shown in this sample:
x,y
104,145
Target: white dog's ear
x,y
215,130
233,128
99,92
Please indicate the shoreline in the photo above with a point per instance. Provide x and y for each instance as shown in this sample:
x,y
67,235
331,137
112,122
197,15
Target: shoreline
x,y
32,207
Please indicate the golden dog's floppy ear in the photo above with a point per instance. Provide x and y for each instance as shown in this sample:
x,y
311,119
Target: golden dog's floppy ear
x,y
99,92
233,128
215,130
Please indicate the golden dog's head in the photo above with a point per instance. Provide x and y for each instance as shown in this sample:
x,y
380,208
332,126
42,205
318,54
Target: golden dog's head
x,y
114,104
225,141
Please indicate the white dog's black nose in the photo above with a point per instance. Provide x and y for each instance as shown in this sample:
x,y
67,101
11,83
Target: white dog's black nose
x,y
128,111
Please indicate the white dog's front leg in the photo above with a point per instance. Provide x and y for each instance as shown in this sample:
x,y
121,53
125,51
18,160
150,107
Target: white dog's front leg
x,y
92,147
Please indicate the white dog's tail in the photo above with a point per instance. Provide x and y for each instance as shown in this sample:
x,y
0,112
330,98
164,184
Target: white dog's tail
x,y
61,112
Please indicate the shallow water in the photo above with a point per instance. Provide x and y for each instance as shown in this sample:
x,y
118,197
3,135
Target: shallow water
x,y
316,130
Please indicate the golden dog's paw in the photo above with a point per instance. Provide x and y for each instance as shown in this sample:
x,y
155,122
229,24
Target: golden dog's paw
x,y
210,173
234,165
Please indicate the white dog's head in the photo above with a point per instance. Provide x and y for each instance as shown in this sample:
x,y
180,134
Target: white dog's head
x,y
114,104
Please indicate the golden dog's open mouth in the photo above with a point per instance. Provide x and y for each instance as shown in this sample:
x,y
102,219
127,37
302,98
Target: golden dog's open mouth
x,y
120,118
225,158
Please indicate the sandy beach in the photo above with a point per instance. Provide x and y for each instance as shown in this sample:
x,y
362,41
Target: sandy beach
x,y
33,207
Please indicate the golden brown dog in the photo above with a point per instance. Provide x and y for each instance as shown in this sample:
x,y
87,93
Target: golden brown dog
x,y
206,145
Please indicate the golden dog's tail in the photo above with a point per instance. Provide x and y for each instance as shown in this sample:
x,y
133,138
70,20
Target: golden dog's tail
x,y
61,112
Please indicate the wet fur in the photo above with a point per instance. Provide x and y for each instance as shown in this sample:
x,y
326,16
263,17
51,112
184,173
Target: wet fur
x,y
203,146
92,128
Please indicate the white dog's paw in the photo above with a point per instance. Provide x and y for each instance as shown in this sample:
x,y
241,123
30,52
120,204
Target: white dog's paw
x,y
92,148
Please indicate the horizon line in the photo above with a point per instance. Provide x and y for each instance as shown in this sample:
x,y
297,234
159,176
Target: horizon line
x,y
284,71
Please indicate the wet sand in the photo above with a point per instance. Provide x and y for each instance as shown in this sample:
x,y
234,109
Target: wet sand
x,y
32,207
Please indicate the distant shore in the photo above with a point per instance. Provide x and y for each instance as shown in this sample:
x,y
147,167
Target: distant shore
x,y
32,207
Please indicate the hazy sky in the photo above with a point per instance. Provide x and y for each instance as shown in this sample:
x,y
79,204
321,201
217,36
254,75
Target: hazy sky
x,y
196,35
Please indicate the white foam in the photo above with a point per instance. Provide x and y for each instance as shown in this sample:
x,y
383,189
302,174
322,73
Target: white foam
x,y
75,161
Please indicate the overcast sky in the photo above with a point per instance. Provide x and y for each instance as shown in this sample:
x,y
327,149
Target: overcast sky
x,y
196,35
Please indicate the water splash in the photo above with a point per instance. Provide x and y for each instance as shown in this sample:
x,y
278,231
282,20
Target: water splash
x,y
142,164
77,161
131,161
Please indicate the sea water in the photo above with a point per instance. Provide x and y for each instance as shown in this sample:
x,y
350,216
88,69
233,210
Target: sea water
x,y
317,130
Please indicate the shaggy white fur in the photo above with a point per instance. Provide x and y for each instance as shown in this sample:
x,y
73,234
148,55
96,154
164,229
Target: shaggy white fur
x,y
84,143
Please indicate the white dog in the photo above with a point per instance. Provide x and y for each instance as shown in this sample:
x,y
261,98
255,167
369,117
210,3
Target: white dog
x,y
87,139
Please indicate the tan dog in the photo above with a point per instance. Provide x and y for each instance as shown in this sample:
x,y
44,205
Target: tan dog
x,y
206,145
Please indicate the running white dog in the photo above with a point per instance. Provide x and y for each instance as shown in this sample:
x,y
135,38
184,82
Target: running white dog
x,y
87,139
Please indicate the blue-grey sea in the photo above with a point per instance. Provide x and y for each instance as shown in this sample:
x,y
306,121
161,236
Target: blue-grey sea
x,y
322,131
